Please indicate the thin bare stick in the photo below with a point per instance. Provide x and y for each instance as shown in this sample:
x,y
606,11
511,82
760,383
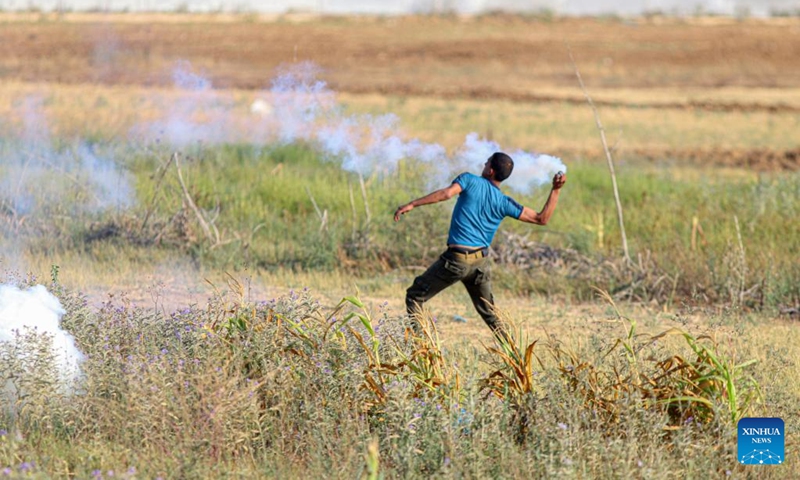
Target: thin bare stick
x,y
742,261
353,208
323,217
324,223
74,179
191,203
608,157
313,202
152,205
364,196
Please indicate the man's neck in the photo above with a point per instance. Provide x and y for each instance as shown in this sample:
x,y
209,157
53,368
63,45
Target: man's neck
x,y
492,181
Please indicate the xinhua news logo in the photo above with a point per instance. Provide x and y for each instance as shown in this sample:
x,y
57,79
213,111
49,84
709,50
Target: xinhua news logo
x,y
761,441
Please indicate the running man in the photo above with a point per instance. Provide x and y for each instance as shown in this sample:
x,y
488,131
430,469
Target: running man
x,y
480,208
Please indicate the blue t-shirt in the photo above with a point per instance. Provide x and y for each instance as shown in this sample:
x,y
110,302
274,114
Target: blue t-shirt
x,y
480,208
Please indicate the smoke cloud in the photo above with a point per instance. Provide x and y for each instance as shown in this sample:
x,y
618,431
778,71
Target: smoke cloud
x,y
39,174
531,170
35,175
299,107
306,109
35,311
197,115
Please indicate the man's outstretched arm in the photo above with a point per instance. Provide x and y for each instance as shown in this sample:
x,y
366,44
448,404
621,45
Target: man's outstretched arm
x,y
541,218
438,196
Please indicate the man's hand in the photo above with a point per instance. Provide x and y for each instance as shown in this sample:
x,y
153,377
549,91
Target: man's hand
x,y
529,215
559,180
402,210
437,196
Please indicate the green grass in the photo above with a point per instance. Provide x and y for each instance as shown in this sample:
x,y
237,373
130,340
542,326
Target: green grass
x,y
261,202
277,388
237,389
659,211
560,128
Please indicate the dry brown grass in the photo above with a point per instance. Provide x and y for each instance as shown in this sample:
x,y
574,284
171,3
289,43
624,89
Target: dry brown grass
x,y
755,140
89,70
709,91
484,57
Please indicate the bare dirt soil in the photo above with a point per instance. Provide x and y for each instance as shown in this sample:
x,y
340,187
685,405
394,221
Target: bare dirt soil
x,y
483,57
757,159
488,57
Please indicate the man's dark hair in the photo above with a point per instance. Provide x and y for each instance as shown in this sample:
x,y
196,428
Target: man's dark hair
x,y
502,165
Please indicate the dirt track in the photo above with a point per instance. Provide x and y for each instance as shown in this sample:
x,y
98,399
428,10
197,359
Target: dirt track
x,y
755,159
761,159
490,93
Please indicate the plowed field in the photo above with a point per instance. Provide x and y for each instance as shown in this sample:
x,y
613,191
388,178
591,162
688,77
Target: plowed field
x,y
476,56
698,65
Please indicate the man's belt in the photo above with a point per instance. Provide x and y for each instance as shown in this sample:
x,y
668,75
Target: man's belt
x,y
467,253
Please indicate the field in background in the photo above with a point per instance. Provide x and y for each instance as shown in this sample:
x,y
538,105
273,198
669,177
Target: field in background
x,y
661,81
681,210
760,140
703,115
486,55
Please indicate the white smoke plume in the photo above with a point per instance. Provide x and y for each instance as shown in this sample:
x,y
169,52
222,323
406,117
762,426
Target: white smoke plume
x,y
299,107
365,144
197,115
298,100
34,173
531,170
36,310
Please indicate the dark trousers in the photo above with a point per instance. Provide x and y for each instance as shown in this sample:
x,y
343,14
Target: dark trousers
x,y
450,268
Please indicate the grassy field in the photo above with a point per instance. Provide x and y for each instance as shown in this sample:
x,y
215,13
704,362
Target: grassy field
x,y
238,388
201,260
497,55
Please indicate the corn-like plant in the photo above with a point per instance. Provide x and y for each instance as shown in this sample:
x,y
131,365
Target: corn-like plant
x,y
375,372
514,377
603,389
699,388
425,366
684,389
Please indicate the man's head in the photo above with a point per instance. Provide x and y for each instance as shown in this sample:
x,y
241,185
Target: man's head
x,y
498,167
